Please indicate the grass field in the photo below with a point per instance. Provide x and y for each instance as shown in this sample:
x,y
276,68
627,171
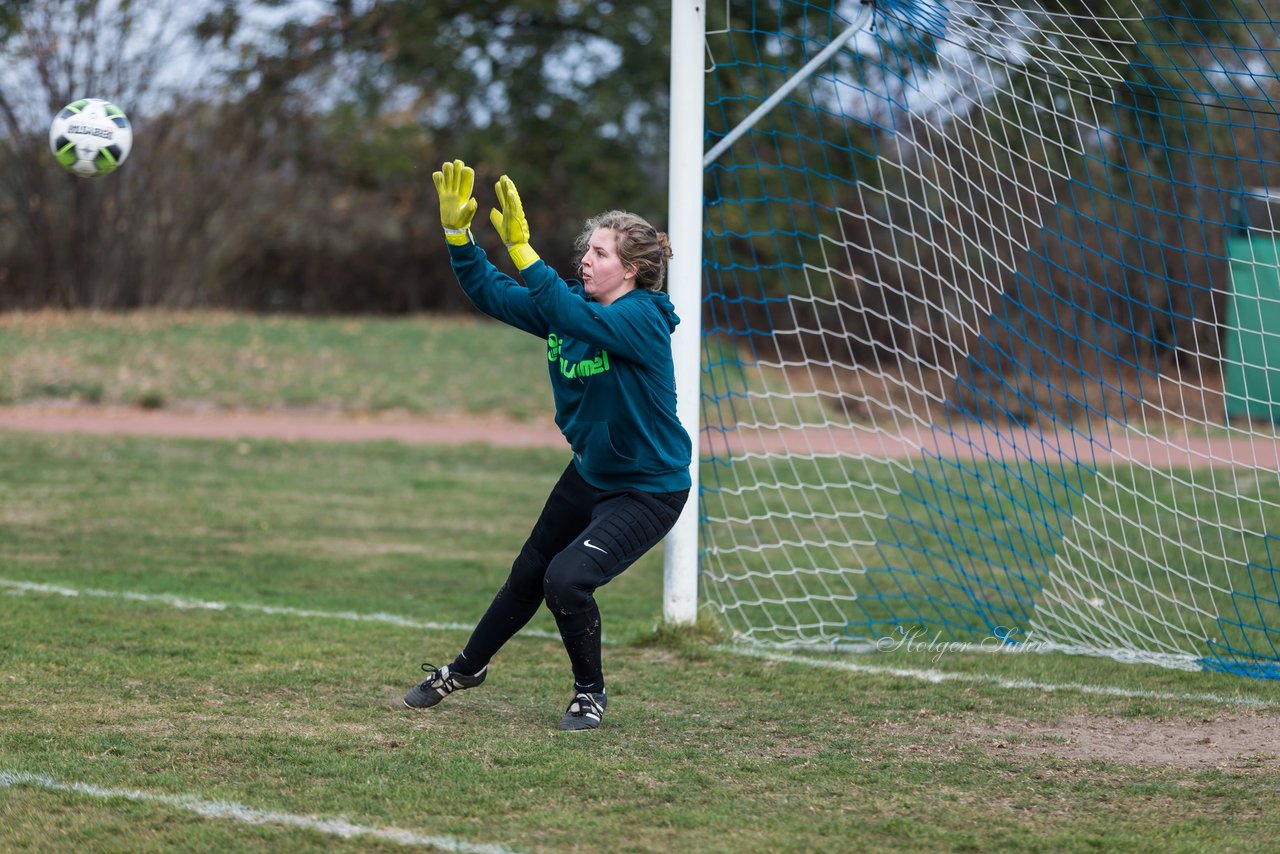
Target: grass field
x,y
204,643
419,366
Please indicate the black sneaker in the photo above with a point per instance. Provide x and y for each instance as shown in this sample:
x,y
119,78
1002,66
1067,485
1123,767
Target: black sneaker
x,y
585,712
440,683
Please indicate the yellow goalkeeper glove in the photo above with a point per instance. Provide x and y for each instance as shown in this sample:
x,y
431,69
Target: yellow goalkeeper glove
x,y
512,225
453,185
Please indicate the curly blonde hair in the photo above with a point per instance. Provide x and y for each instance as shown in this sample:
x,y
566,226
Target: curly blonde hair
x,y
640,245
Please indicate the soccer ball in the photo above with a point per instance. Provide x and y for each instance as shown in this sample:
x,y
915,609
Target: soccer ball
x,y
90,137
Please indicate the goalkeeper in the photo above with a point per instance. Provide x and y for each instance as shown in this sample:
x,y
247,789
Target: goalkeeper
x,y
612,380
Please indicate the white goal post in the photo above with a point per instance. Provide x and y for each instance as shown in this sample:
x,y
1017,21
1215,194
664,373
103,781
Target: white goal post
x,y
688,25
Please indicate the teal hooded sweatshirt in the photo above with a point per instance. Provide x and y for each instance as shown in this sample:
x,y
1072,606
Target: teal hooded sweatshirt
x,y
612,375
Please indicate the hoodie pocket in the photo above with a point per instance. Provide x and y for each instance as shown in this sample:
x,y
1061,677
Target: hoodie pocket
x,y
600,452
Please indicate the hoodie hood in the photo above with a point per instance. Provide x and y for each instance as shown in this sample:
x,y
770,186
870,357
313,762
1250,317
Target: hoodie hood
x,y
658,299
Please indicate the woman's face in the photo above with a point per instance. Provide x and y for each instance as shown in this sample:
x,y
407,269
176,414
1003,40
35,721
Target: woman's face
x,y
603,274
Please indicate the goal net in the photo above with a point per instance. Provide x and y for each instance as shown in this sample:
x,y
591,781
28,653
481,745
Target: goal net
x,y
991,323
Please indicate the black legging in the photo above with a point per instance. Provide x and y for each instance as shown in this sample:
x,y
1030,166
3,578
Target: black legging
x,y
584,539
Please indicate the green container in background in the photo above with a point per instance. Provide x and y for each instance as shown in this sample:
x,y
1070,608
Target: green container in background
x,y
1251,368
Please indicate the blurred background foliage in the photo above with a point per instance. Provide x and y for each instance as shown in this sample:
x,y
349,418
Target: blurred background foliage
x,y
283,151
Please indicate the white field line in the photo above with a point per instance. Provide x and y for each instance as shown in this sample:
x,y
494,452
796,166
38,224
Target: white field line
x,y
183,603
938,676
251,815
931,675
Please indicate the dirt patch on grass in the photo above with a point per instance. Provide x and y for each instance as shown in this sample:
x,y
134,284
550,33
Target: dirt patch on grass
x,y
957,441
1232,743
283,426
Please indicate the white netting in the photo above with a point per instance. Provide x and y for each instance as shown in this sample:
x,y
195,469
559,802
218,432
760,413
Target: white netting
x,y
993,327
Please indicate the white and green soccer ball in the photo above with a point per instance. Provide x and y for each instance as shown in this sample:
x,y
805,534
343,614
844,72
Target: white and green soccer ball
x,y
90,137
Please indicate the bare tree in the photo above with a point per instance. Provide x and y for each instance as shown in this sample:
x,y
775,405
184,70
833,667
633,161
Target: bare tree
x,y
69,241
